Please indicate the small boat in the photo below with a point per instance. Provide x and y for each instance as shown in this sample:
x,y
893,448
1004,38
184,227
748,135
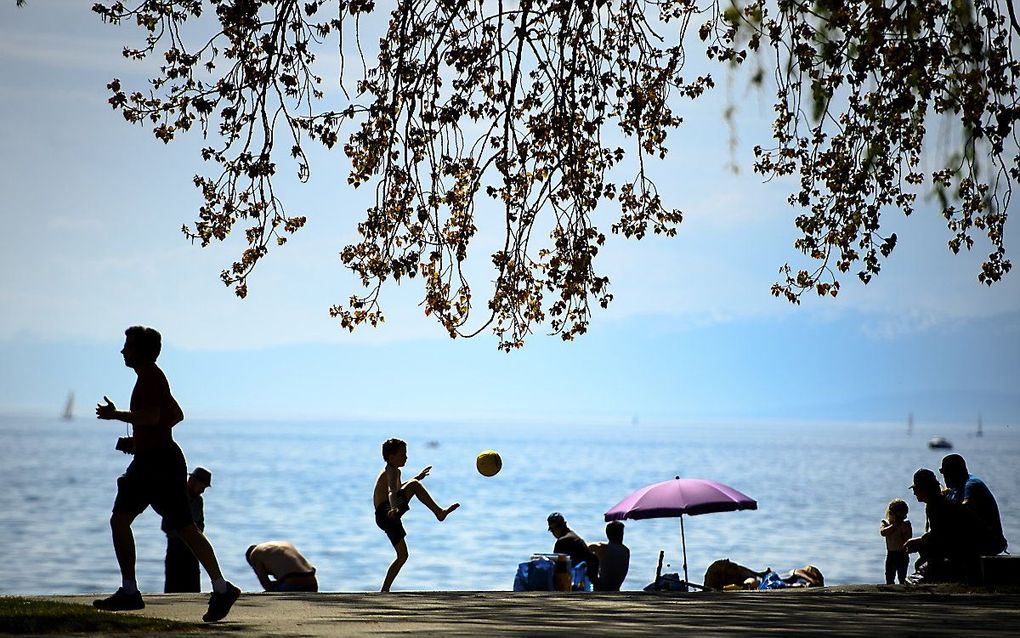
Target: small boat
x,y
69,407
939,443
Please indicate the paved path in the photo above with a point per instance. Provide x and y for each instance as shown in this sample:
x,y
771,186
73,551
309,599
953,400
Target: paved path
x,y
847,611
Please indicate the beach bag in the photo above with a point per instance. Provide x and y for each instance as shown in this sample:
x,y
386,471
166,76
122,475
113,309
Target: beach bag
x,y
535,575
668,582
579,578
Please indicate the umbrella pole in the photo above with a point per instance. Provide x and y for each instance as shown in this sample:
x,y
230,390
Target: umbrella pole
x,y
683,544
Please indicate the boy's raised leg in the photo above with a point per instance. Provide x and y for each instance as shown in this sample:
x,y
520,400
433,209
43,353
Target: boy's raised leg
x,y
414,487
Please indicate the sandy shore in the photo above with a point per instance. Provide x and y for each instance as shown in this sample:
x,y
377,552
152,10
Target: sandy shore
x,y
851,610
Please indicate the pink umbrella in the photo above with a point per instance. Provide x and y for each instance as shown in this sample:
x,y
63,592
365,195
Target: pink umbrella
x,y
678,497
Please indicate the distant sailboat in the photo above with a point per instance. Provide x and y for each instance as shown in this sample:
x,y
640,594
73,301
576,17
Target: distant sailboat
x,y
910,423
979,432
69,407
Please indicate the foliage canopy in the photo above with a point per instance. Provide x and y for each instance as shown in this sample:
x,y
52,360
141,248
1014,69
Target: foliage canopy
x,y
521,102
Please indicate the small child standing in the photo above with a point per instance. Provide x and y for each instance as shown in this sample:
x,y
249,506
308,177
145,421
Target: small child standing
x,y
393,498
897,531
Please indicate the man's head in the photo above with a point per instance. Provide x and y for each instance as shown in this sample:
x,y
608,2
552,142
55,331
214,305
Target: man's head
x,y
926,485
247,554
557,524
954,470
199,480
394,452
141,346
614,531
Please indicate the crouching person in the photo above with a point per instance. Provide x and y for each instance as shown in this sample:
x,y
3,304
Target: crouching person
x,y
280,567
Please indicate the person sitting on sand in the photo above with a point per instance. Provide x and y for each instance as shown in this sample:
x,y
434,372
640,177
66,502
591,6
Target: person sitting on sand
x,y
393,498
946,551
568,542
614,558
972,494
279,566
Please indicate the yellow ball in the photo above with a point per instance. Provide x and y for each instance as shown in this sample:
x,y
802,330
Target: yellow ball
x,y
489,463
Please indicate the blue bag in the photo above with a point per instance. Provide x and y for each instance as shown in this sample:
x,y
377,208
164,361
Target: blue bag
x,y
771,580
579,578
535,575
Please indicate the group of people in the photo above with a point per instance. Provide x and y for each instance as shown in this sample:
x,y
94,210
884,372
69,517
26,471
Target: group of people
x,y
157,477
278,565
607,562
962,525
963,521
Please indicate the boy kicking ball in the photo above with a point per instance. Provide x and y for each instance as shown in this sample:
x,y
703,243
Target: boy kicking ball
x,y
392,498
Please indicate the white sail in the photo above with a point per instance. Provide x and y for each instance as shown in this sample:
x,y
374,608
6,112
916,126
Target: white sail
x,y
69,407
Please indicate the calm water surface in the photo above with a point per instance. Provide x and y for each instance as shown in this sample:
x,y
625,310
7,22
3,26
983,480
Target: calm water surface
x,y
821,491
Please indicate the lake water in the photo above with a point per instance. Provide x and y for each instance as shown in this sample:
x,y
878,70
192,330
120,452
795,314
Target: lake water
x,y
821,491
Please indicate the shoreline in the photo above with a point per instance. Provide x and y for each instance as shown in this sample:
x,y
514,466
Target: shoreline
x,y
848,610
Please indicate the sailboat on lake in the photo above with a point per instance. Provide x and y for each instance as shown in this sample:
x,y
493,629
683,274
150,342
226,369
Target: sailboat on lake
x,y
69,407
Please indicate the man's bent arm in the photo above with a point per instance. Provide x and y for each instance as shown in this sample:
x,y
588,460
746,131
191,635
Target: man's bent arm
x,y
143,417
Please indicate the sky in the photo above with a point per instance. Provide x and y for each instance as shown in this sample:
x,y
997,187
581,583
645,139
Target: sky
x,y
93,207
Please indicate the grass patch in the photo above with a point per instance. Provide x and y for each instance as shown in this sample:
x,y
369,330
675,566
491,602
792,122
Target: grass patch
x,y
29,616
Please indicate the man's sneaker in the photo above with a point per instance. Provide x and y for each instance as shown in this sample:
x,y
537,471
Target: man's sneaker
x,y
120,601
220,604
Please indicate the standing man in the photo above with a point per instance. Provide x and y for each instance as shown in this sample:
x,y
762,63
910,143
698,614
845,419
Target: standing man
x,y
971,493
156,477
568,542
182,573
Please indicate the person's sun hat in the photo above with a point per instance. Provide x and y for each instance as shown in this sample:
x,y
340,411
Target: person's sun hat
x,y
202,475
924,478
556,520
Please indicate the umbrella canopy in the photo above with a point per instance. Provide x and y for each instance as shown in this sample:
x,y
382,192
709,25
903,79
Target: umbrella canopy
x,y
674,498
680,496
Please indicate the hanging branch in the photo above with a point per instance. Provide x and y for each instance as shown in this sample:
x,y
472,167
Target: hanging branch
x,y
533,107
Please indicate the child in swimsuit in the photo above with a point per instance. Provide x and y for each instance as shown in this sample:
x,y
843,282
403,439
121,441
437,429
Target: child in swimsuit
x,y
897,530
393,498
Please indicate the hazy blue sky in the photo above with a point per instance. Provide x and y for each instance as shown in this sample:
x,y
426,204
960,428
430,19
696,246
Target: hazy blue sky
x,y
92,210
